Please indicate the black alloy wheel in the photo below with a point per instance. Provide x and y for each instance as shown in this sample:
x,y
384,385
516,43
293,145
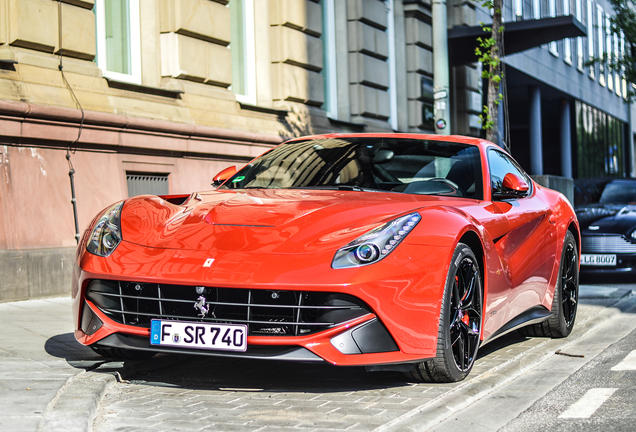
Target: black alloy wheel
x,y
465,315
460,322
566,296
569,284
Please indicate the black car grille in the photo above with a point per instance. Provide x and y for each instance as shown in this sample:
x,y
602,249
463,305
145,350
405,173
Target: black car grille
x,y
266,312
607,243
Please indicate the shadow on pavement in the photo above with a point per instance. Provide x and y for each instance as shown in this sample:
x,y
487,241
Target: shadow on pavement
x,y
77,355
216,373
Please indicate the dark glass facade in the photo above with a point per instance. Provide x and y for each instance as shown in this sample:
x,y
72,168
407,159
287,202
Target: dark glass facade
x,y
600,143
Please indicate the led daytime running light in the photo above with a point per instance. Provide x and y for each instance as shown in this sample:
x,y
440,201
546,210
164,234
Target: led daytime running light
x,y
106,234
376,244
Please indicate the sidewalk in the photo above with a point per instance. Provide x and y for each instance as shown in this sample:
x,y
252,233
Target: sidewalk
x,y
38,355
44,385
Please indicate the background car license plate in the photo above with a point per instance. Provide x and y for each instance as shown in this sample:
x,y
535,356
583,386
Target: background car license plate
x,y
228,337
598,260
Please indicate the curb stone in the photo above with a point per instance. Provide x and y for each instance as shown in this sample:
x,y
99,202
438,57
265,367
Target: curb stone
x,y
74,407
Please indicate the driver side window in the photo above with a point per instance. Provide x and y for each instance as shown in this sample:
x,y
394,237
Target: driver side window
x,y
500,165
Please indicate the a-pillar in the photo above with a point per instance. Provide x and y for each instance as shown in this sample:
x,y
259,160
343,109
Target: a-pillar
x,y
566,140
536,142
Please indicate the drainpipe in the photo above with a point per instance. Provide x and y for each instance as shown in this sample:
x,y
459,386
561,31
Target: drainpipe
x,y
440,68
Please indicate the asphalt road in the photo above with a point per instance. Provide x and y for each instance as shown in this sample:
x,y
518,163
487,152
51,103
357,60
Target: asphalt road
x,y
601,396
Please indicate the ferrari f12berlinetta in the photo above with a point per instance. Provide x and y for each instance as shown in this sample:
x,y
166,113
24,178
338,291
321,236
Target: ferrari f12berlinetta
x,y
392,251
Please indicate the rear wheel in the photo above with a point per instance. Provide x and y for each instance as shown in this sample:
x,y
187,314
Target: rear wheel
x,y
460,322
566,296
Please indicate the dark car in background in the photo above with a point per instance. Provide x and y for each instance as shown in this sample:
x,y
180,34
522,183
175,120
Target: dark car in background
x,y
606,210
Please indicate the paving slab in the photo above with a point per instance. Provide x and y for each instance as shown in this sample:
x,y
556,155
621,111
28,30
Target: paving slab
x,y
38,357
49,382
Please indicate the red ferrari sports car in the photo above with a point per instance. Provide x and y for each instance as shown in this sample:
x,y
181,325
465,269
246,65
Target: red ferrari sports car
x,y
393,251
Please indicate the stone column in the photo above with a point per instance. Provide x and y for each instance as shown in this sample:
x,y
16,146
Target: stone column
x,y
566,140
536,144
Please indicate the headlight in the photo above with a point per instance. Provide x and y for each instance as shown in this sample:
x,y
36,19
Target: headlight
x,y
106,234
376,244
633,235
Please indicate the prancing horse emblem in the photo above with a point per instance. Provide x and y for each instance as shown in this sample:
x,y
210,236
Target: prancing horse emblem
x,y
201,306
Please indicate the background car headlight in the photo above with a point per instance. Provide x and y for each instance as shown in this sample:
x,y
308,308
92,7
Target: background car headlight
x,y
106,234
376,244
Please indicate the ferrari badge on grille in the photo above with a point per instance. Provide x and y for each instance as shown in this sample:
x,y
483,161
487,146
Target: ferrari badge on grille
x,y
201,306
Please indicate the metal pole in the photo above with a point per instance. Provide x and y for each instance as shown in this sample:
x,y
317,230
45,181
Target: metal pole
x,y
440,68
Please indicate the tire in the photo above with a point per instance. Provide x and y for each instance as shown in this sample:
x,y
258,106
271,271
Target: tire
x,y
566,296
123,354
460,322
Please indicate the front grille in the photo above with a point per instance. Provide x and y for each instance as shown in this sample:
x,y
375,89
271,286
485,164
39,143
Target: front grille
x,y
266,312
607,243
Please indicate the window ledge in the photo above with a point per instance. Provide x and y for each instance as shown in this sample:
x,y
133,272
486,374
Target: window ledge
x,y
267,110
8,64
157,91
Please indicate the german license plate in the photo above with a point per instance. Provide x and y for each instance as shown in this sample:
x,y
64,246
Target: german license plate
x,y
598,260
212,336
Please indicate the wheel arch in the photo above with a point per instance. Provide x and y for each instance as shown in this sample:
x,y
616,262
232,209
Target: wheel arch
x,y
577,236
472,240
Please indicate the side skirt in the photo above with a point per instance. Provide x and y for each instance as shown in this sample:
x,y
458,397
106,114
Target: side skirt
x,y
534,315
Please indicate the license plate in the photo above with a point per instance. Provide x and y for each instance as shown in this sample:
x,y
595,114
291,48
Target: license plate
x,y
598,260
212,336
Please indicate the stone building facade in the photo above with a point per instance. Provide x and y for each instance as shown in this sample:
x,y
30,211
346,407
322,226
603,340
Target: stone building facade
x,y
157,96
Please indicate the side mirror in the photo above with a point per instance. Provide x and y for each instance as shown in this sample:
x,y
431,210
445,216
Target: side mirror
x,y
223,175
515,183
513,186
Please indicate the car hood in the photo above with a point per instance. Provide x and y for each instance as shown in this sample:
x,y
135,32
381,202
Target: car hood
x,y
283,221
607,218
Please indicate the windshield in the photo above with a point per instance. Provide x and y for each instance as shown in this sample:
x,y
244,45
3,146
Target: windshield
x,y
364,163
619,192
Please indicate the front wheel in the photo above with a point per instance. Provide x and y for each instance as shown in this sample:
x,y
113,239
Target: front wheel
x,y
459,324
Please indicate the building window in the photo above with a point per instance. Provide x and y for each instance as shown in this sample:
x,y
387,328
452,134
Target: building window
x,y
610,52
567,44
590,35
243,50
579,40
518,12
623,80
393,105
147,184
118,39
552,11
600,20
536,9
329,71
617,78
600,143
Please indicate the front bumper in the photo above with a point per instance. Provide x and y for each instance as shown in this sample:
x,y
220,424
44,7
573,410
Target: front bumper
x,y
625,264
403,311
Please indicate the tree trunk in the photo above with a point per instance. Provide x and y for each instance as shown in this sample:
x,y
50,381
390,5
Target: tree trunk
x,y
495,71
